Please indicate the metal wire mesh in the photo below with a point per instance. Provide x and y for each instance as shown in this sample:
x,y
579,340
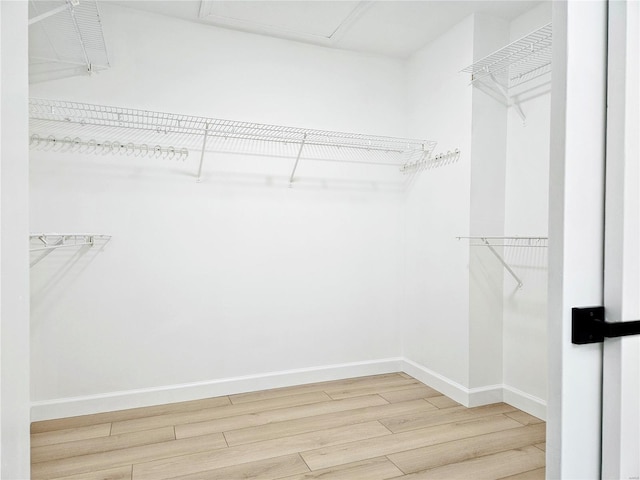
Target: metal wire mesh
x,y
72,36
520,61
63,119
512,242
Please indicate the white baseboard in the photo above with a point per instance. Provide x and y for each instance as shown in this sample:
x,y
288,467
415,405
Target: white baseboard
x,y
89,404
485,395
108,402
474,397
441,383
527,403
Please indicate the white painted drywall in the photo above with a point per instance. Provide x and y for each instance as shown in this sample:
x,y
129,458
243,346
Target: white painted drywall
x,y
232,276
14,228
526,214
238,276
465,319
437,209
486,274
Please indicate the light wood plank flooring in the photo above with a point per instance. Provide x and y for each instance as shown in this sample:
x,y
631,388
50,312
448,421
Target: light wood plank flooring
x,y
369,428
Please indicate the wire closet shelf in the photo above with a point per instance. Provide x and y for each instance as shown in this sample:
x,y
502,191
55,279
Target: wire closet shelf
x,y
520,61
45,243
63,125
66,32
517,241
510,242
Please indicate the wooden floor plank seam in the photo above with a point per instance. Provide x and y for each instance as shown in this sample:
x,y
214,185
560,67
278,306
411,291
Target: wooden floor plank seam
x,y
301,458
368,428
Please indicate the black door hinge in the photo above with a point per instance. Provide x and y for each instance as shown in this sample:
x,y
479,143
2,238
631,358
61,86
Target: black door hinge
x,y
589,326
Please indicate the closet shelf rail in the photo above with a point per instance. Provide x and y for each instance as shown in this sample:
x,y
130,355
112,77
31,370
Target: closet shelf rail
x,y
517,63
47,242
496,242
68,144
76,122
432,162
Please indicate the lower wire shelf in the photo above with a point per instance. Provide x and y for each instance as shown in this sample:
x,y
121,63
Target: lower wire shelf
x,y
495,242
48,242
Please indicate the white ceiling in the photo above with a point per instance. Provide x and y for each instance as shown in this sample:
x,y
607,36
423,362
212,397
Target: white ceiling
x,y
393,28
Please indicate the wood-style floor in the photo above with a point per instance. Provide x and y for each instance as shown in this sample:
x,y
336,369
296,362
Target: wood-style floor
x,y
370,428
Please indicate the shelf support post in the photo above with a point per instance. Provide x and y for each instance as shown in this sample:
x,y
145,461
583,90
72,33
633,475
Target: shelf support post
x,y
501,260
508,99
204,146
49,248
295,165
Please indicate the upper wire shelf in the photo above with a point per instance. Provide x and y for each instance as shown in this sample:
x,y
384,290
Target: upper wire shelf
x,y
517,63
125,130
65,39
520,61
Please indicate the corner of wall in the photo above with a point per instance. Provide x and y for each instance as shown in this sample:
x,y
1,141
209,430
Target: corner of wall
x,y
478,396
487,213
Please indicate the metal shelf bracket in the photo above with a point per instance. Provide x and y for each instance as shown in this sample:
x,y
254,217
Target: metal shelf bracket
x,y
501,260
204,148
507,242
48,242
510,101
295,165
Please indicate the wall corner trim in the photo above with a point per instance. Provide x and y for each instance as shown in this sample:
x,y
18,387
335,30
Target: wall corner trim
x,y
474,397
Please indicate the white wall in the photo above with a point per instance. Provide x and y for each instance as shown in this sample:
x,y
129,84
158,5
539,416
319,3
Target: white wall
x,y
486,275
229,277
14,280
238,277
436,315
526,214
468,329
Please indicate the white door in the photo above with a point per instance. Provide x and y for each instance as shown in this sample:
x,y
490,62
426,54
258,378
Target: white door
x,y
592,418
621,361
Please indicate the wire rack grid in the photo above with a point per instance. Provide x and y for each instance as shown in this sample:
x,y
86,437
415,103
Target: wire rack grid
x,y
122,126
518,62
72,36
